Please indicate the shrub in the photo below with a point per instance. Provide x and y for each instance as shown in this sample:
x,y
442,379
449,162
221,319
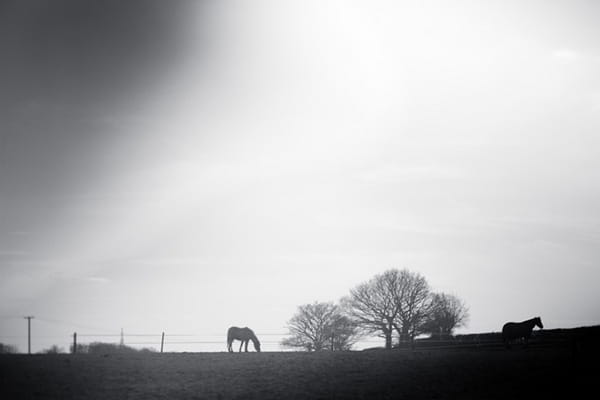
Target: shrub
x,y
7,349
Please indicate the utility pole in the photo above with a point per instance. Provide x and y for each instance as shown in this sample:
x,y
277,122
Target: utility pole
x,y
28,318
122,343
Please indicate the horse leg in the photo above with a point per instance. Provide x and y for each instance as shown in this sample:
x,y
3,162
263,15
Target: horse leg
x,y
229,349
241,344
246,347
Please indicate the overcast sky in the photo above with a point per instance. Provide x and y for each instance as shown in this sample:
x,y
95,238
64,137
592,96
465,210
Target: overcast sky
x,y
188,166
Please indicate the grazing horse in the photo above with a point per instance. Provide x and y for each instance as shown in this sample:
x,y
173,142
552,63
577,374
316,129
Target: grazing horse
x,y
518,330
244,335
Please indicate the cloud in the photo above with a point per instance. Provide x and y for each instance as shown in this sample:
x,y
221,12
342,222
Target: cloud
x,y
396,174
565,56
12,253
19,233
97,279
170,261
596,101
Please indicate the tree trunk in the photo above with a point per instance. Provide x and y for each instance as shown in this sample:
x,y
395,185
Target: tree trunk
x,y
388,340
404,333
388,335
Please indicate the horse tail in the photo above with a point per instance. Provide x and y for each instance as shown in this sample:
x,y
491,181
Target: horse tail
x,y
229,339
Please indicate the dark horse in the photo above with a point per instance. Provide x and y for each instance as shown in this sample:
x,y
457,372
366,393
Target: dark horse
x,y
518,330
244,335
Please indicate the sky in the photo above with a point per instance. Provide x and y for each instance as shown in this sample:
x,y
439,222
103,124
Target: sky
x,y
189,166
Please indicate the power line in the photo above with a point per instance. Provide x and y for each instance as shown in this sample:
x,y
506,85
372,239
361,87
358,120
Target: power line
x,y
118,334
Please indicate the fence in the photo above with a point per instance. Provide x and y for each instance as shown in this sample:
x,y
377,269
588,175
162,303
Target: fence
x,y
201,342
185,342
174,342
493,340
164,340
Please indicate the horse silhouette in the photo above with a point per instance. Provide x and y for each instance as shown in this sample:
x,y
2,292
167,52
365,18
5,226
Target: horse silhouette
x,y
244,335
520,330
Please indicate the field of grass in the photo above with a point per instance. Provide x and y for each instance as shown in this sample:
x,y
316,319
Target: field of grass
x,y
460,373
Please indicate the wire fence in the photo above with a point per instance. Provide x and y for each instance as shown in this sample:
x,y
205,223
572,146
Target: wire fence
x,y
271,341
216,342
157,341
165,338
196,343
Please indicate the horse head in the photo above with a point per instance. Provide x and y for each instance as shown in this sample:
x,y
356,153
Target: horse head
x,y
538,322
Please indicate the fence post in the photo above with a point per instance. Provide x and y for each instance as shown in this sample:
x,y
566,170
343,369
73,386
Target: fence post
x,y
28,318
332,341
74,342
162,342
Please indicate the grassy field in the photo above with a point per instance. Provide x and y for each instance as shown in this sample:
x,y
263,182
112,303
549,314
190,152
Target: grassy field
x,y
465,373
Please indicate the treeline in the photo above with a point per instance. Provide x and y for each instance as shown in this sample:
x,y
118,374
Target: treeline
x,y
396,303
7,349
91,348
107,348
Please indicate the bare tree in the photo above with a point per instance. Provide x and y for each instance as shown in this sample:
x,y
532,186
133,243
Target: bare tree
x,y
396,300
413,301
374,305
320,326
344,333
401,301
448,312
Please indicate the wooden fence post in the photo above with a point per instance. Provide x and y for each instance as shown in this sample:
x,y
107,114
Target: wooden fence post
x,y
162,342
74,342
332,342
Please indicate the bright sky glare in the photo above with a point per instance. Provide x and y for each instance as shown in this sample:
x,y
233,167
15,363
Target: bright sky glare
x,y
189,168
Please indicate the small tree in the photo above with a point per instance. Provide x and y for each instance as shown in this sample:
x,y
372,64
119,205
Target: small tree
x,y
448,312
320,326
344,332
109,348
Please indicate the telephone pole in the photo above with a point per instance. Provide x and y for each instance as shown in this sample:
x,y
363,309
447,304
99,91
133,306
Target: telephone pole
x,y
28,318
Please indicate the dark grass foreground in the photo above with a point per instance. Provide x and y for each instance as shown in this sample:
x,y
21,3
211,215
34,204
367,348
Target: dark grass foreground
x,y
400,374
